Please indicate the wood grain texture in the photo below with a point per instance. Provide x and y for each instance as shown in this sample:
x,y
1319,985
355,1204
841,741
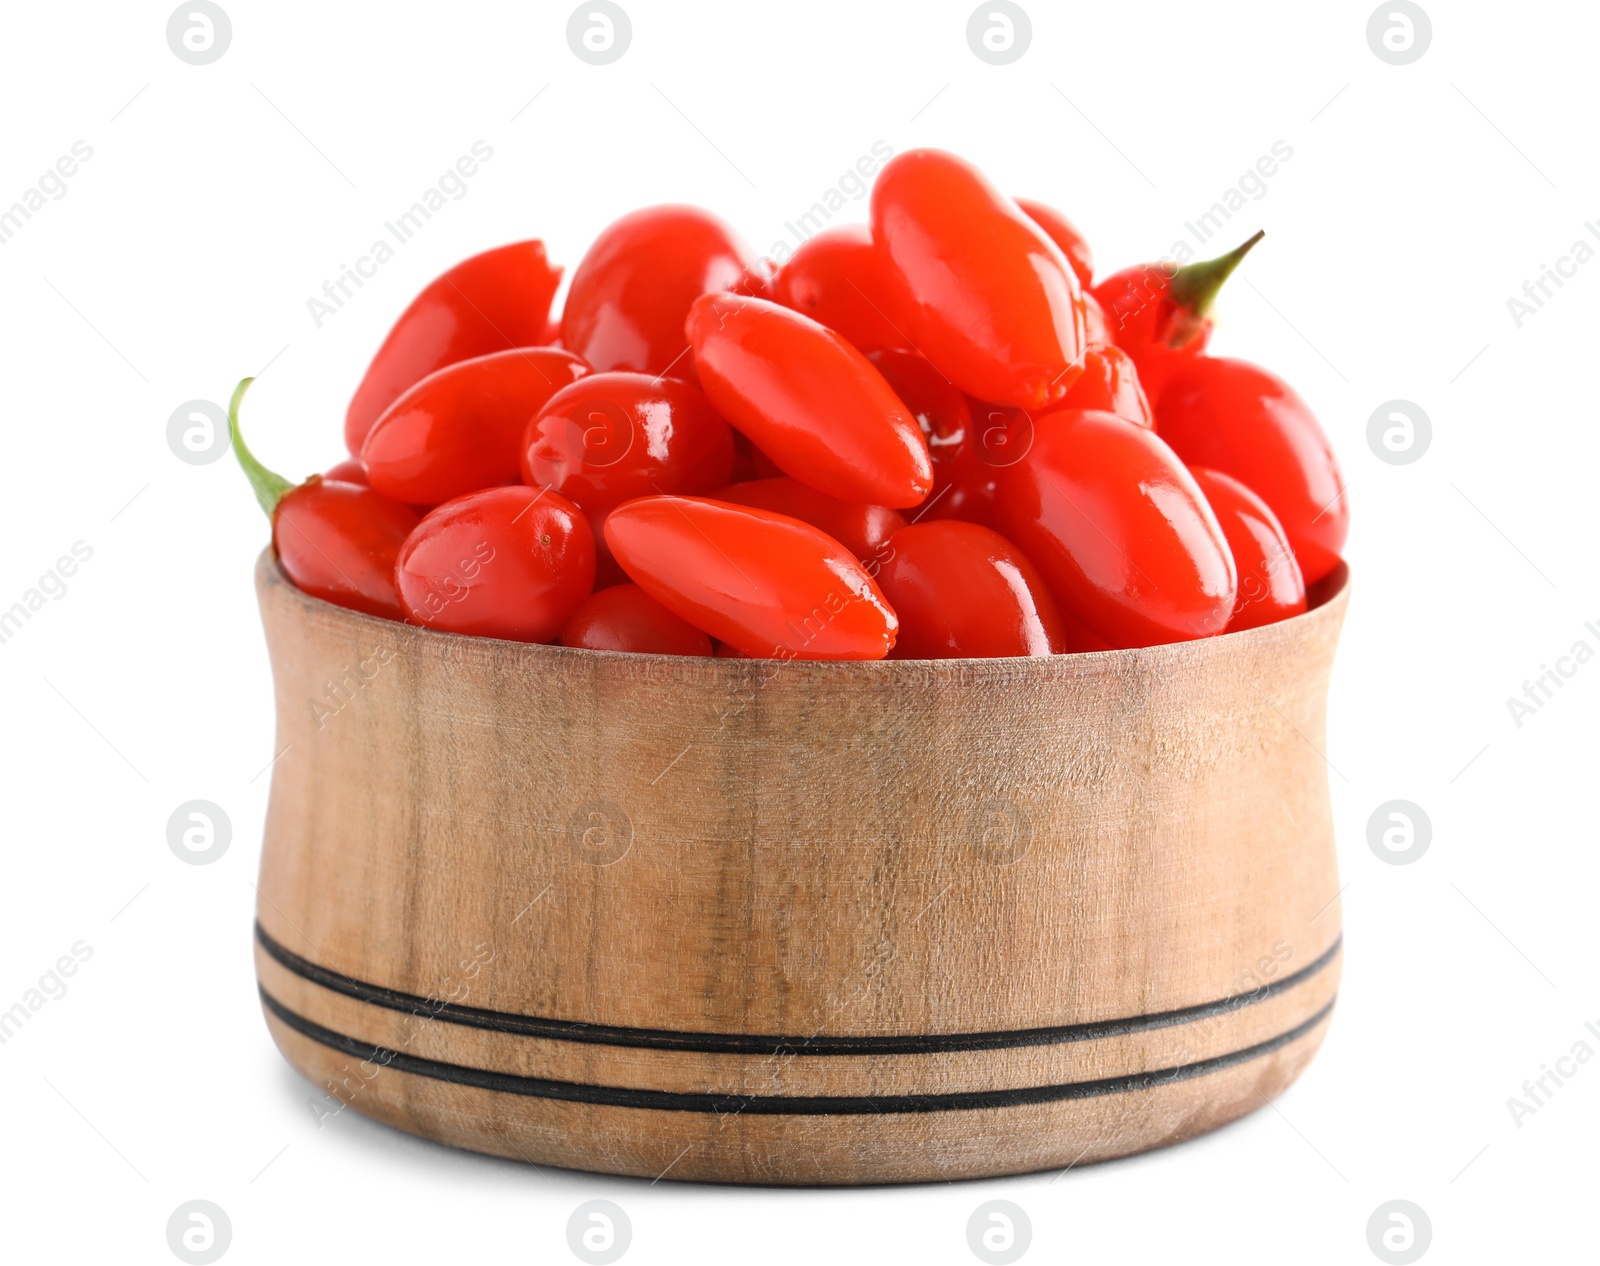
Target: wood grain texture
x,y
793,922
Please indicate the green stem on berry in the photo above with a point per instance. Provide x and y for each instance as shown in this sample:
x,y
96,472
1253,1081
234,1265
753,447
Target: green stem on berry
x,y
269,486
1195,286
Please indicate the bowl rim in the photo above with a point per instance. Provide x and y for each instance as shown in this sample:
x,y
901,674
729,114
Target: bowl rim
x,y
1326,601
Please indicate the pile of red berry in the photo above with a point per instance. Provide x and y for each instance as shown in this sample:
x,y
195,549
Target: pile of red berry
x,y
924,437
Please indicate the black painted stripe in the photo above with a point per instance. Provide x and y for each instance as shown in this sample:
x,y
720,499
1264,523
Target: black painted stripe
x,y
755,1044
774,1105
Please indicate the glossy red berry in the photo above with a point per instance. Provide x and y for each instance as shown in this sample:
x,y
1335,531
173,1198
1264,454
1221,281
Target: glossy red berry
x,y
631,292
837,280
488,303
1119,529
1064,234
626,618
1271,587
1110,383
1240,419
963,590
335,540
980,290
809,400
460,429
611,437
862,529
1160,314
511,563
348,471
1096,332
766,584
339,542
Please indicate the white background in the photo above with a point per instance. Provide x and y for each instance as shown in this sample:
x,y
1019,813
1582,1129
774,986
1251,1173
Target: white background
x,y
1418,200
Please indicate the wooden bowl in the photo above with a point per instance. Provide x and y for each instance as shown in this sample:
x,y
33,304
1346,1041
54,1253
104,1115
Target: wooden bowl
x,y
757,921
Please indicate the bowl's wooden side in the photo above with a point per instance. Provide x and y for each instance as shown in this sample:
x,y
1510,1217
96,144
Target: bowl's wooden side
x,y
794,922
